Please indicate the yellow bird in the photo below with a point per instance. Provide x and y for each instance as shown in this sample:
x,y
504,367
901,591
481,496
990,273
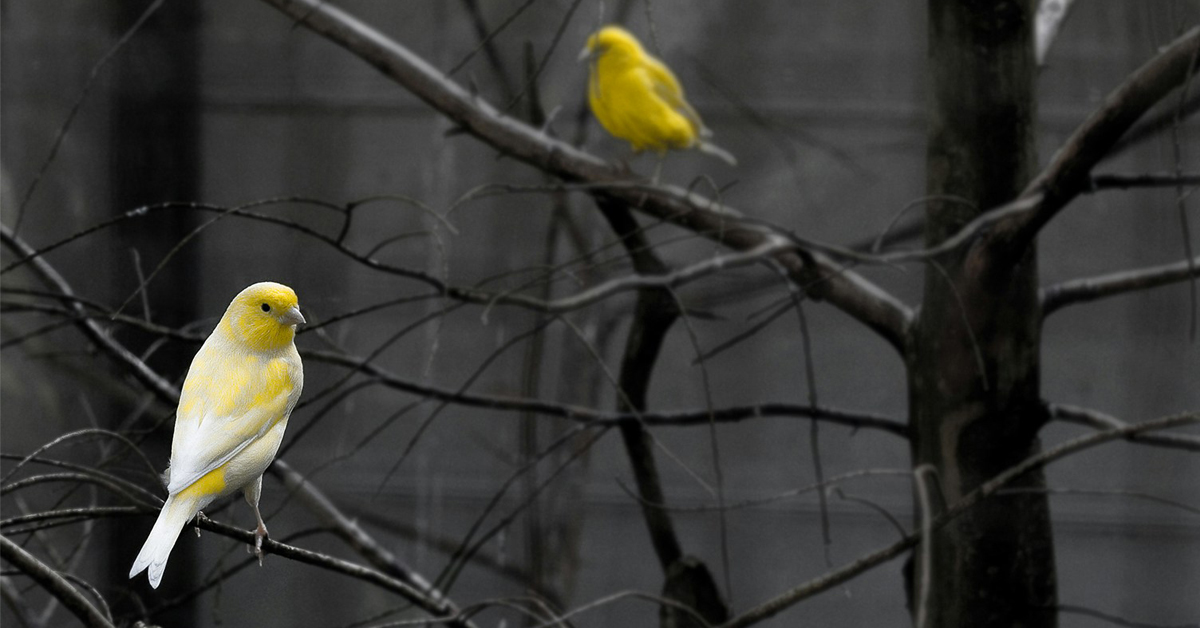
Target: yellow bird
x,y
239,391
638,99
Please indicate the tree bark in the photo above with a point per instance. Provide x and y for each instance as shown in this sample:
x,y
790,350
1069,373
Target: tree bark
x,y
974,385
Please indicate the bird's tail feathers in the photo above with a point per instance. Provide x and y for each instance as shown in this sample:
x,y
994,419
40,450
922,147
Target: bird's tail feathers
x,y
716,151
174,515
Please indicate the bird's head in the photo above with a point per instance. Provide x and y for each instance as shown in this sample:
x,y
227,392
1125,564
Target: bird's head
x,y
610,39
263,316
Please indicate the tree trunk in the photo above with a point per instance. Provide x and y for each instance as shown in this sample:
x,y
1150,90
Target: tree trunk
x,y
974,356
154,159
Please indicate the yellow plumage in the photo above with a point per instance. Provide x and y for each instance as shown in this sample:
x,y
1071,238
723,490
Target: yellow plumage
x,y
638,99
233,410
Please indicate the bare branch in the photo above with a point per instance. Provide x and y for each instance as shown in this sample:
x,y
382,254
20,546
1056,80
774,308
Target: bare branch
x,y
987,489
77,105
70,515
351,532
593,416
487,45
1111,181
470,546
825,279
440,610
94,431
74,479
53,582
15,600
444,543
169,394
828,484
1068,173
638,595
1163,501
1115,619
1092,288
154,382
1101,421
770,247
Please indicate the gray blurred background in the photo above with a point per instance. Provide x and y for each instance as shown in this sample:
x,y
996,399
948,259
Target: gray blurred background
x,y
226,102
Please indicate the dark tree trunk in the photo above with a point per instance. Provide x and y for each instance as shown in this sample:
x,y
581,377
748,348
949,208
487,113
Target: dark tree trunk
x,y
154,159
687,579
974,356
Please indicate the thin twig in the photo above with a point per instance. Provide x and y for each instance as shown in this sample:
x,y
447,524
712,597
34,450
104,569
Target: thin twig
x,y
1181,198
154,382
366,546
1195,510
601,418
987,489
151,9
714,446
470,547
1116,620
770,499
1101,421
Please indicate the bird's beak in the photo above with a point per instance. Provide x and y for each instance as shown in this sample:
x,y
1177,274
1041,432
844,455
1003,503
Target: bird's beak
x,y
293,316
584,55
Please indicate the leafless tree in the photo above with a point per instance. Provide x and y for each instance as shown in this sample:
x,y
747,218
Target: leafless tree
x,y
980,545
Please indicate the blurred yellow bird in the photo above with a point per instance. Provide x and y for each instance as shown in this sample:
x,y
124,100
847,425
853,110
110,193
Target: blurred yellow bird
x,y
239,391
636,97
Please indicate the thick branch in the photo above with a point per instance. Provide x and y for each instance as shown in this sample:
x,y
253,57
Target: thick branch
x,y
653,318
984,491
687,578
1092,288
822,278
57,585
1068,173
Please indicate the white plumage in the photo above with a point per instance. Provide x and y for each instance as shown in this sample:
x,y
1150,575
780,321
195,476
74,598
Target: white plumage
x,y
233,410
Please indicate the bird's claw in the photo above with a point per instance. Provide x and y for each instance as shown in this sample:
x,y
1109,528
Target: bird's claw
x,y
259,534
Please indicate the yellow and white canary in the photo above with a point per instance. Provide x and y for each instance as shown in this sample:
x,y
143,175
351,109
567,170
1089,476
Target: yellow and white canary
x,y
638,99
239,391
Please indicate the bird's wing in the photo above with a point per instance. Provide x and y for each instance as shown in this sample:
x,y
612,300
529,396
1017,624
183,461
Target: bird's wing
x,y
228,402
667,87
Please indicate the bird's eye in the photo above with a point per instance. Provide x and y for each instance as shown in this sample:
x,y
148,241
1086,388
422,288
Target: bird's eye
x,y
266,308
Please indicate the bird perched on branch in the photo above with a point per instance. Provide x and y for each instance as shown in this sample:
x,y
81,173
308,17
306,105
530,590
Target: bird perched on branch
x,y
638,99
233,410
